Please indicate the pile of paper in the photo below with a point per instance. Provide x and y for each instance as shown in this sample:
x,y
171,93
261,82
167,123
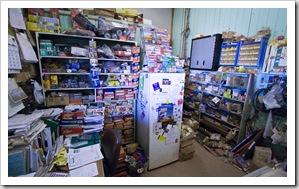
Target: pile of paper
x,y
23,128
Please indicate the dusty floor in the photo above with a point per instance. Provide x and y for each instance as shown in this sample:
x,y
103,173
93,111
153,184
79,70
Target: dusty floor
x,y
203,164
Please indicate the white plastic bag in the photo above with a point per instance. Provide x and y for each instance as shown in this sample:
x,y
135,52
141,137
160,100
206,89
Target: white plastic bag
x,y
38,94
273,99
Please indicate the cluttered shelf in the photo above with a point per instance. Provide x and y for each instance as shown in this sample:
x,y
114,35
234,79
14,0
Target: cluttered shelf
x,y
87,37
68,89
64,73
85,58
220,119
221,96
66,57
204,83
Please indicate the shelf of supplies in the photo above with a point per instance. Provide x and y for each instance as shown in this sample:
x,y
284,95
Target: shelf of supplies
x,y
222,96
83,103
114,40
220,120
191,89
219,128
118,73
190,107
119,115
85,58
118,60
236,113
67,89
116,87
239,87
66,57
204,83
53,73
235,73
232,99
124,100
87,37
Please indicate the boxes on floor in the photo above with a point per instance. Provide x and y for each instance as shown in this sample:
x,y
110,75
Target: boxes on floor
x,y
186,152
186,142
186,149
262,154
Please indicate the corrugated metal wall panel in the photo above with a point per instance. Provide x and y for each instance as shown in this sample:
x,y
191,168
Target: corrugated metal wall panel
x,y
247,21
280,26
176,30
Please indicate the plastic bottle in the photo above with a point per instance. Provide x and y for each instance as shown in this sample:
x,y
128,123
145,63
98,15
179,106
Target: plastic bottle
x,y
46,82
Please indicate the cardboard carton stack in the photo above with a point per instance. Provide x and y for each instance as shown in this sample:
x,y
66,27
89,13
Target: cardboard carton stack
x,y
186,149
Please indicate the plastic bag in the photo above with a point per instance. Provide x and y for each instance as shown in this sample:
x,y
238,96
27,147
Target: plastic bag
x,y
38,94
108,52
274,99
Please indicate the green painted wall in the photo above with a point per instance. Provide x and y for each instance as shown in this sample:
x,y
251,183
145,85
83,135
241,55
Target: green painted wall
x,y
246,21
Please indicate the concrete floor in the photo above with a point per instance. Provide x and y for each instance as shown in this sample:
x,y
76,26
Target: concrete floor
x,y
203,164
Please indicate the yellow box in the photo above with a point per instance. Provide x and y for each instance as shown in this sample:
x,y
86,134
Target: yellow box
x,y
32,26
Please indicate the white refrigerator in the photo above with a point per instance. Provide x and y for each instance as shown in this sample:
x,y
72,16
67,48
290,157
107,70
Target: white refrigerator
x,y
159,116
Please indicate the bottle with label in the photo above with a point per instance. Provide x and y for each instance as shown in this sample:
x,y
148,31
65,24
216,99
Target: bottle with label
x,y
46,82
54,81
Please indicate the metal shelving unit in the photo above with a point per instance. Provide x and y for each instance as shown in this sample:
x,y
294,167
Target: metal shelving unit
x,y
217,86
74,40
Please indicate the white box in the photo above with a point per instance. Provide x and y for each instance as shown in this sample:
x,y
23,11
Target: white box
x,y
262,154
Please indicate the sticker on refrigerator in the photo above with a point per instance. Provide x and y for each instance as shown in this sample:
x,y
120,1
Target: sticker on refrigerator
x,y
161,138
177,113
172,135
165,112
157,128
156,86
180,101
166,82
141,83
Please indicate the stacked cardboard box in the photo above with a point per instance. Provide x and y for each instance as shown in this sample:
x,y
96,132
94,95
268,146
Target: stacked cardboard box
x,y
106,12
128,135
71,122
186,149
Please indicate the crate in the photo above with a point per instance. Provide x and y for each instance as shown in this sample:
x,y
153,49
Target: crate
x,y
57,101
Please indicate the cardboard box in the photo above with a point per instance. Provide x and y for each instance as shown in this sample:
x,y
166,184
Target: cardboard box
x,y
187,149
72,115
185,143
57,101
79,51
263,154
186,156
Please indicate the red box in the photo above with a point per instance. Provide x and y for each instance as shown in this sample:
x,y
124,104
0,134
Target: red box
x,y
71,130
71,115
135,49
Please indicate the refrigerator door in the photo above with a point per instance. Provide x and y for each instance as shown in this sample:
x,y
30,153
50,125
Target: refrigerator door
x,y
165,110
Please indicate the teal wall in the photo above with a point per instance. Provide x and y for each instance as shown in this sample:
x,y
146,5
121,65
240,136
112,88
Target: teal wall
x,y
246,21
